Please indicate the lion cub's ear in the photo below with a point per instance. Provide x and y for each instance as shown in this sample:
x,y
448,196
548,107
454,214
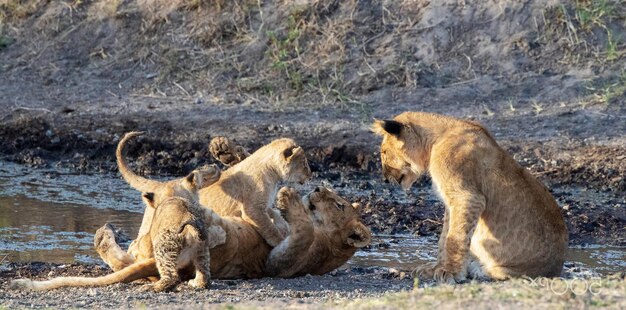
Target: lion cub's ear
x,y
358,235
381,127
194,180
293,152
148,199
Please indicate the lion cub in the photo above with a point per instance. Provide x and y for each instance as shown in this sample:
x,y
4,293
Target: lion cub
x,y
245,190
495,209
181,234
248,189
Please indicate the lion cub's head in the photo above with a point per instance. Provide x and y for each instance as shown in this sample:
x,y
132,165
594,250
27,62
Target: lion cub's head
x,y
334,213
398,143
290,160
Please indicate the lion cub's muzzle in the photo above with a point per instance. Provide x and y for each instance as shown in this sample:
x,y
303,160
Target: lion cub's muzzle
x,y
389,175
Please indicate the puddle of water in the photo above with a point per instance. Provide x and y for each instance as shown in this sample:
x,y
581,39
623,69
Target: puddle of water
x,y
48,215
34,230
407,252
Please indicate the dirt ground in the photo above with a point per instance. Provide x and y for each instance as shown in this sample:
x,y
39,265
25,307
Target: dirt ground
x,y
547,78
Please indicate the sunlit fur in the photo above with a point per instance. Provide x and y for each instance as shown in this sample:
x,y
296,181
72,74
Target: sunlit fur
x,y
496,212
248,189
180,237
245,190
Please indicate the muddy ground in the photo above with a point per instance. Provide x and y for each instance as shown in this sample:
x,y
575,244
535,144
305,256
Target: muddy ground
x,y
368,288
545,77
341,284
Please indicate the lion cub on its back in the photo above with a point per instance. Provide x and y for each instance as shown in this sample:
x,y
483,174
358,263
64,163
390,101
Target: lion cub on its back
x,y
495,209
248,189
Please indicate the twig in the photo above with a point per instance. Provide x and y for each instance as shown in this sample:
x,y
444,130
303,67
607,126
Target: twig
x,y
461,82
31,109
182,88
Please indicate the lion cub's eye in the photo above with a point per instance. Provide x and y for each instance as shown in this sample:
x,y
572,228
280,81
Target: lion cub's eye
x,y
339,206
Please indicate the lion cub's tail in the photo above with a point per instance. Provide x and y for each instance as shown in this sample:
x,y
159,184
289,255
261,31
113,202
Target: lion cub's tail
x,y
138,270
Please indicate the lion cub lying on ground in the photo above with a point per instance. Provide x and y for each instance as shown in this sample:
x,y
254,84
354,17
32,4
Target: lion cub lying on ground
x,y
495,210
325,231
180,236
245,190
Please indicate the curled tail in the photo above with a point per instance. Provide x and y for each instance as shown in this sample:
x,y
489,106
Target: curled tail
x,y
138,270
137,182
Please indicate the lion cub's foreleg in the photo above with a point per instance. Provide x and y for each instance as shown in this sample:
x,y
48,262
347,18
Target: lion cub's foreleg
x,y
463,209
286,259
257,214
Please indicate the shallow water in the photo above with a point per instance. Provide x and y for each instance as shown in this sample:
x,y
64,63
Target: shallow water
x,y
50,216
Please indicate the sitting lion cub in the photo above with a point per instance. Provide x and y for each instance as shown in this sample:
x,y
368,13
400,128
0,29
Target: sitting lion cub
x,y
180,235
495,210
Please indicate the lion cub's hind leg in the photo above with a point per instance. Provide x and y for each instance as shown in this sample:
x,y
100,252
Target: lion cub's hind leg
x,y
214,235
202,263
167,248
106,244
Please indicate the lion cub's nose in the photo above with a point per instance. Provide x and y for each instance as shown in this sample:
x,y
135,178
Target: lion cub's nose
x,y
317,189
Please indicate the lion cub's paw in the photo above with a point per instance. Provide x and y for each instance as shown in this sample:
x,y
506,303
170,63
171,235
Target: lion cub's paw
x,y
104,237
289,201
226,151
286,197
438,273
199,284
164,285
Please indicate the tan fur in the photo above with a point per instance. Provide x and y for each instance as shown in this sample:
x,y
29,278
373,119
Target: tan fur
x,y
496,212
161,190
180,236
245,190
326,231
248,188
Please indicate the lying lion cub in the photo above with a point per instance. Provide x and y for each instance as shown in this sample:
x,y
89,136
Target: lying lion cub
x,y
495,210
180,236
325,232
245,190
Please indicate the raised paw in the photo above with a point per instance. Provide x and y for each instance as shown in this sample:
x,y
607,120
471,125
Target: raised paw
x,y
109,233
286,197
104,238
225,151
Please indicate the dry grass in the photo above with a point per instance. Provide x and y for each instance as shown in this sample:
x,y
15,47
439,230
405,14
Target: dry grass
x,y
608,292
326,52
